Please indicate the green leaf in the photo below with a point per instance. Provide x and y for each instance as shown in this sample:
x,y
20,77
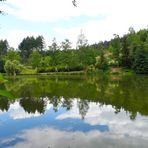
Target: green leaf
x,y
7,94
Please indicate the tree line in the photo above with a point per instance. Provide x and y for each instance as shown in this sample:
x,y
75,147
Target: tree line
x,y
128,51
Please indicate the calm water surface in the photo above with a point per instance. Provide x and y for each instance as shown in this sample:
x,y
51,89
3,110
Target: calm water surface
x,y
74,112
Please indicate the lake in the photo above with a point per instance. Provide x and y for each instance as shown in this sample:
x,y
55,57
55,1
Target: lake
x,y
74,112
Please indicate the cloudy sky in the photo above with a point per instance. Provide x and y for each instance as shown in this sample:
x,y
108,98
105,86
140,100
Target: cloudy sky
x,y
99,19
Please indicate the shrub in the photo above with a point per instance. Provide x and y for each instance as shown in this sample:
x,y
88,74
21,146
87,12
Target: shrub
x,y
141,62
12,67
101,63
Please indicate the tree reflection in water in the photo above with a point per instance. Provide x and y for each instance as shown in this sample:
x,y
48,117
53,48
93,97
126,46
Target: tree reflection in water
x,y
128,93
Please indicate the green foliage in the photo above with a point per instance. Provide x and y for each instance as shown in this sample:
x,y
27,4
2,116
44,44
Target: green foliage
x,y
28,44
133,51
66,45
40,43
87,56
54,46
68,60
120,92
7,94
1,78
3,47
101,62
141,62
12,55
35,59
28,70
2,66
129,51
116,49
125,60
45,61
13,67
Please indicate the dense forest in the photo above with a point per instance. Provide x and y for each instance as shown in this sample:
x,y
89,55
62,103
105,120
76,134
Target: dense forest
x,y
127,51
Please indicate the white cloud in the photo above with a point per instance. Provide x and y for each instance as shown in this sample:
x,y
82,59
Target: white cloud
x,y
122,131
73,113
21,114
17,112
118,16
49,137
15,36
119,124
49,10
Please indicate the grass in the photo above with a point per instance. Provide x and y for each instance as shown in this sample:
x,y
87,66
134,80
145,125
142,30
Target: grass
x,y
27,70
66,73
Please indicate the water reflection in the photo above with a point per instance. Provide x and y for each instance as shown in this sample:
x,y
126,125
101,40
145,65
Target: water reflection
x,y
101,126
63,139
4,104
127,93
75,112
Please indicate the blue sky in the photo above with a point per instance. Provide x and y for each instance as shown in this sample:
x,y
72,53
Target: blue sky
x,y
99,19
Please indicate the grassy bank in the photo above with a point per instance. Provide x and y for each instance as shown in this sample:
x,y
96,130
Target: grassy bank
x,y
30,71
112,71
